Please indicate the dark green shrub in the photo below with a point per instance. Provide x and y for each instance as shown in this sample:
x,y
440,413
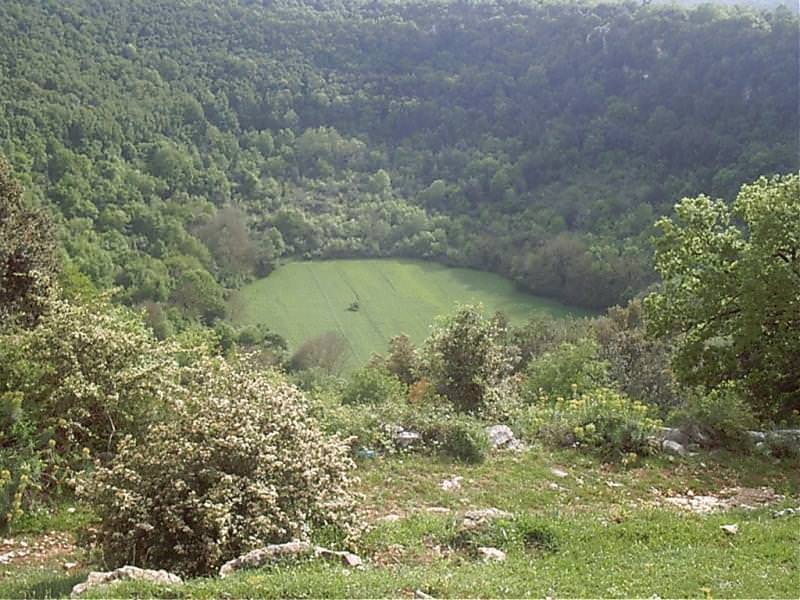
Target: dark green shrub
x,y
373,385
467,355
719,418
557,373
460,438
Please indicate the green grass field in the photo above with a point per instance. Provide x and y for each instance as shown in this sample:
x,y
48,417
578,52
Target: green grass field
x,y
615,535
304,299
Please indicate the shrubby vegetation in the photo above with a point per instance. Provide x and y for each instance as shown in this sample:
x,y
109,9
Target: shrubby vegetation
x,y
466,358
237,465
383,130
731,292
721,417
603,420
28,257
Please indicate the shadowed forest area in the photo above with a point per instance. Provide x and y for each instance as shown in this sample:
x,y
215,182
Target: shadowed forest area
x,y
399,299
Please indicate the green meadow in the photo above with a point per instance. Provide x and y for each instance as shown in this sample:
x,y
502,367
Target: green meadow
x,y
304,299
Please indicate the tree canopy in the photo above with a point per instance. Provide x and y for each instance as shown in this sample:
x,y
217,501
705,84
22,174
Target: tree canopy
x,y
731,291
536,140
28,257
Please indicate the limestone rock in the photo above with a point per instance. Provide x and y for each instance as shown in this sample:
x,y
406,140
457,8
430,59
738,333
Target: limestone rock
x,y
674,448
438,510
491,554
675,435
348,559
262,556
730,529
477,518
500,435
405,439
561,473
127,573
454,483
390,518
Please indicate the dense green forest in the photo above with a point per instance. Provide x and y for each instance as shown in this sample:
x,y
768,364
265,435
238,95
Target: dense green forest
x,y
637,161
185,147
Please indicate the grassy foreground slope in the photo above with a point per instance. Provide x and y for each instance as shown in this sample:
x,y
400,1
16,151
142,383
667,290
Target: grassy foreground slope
x,y
305,299
610,532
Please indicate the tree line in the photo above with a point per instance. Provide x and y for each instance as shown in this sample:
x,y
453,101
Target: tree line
x,y
185,149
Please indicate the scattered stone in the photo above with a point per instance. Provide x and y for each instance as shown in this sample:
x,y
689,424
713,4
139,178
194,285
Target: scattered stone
x,y
390,518
730,529
554,486
674,434
477,518
697,504
454,483
348,559
68,566
491,554
438,510
126,573
726,498
295,549
786,433
697,435
673,448
613,484
786,512
262,556
500,435
71,510
559,472
422,595
405,439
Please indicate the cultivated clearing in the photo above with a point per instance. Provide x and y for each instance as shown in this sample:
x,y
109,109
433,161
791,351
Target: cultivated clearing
x,y
305,299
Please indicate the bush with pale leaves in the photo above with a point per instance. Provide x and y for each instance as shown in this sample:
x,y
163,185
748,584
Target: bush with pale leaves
x,y
241,464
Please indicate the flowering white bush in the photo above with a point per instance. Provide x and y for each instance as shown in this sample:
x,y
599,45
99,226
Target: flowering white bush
x,y
88,374
239,465
72,385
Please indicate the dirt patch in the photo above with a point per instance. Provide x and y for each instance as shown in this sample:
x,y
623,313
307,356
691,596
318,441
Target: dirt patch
x,y
725,499
38,550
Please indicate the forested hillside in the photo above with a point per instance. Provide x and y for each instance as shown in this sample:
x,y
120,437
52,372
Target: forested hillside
x,y
186,146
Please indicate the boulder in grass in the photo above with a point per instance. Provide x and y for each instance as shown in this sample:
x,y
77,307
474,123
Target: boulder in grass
x,y
348,559
491,554
500,435
268,554
478,518
674,448
127,573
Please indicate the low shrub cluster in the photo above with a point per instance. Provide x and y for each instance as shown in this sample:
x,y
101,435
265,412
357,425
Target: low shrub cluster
x,y
373,385
440,428
239,464
601,420
71,387
554,373
720,418
456,436
523,531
